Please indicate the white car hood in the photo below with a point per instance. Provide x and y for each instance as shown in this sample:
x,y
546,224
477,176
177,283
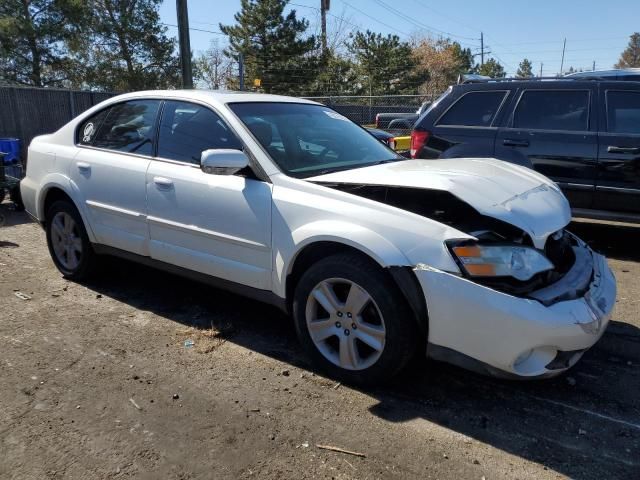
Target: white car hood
x,y
510,193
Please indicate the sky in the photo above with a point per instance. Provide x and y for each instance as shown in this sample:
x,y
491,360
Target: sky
x,y
595,30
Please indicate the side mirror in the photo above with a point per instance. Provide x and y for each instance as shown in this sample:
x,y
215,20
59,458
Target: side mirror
x,y
223,161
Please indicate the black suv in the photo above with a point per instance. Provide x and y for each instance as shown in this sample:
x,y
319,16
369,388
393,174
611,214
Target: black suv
x,y
582,133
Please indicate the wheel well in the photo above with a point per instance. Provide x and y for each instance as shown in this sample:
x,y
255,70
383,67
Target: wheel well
x,y
53,195
403,277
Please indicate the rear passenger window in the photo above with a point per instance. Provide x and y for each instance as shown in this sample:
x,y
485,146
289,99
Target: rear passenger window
x,y
188,129
623,112
553,110
129,127
475,109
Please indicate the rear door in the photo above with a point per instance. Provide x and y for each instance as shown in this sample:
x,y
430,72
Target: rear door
x,y
110,169
618,182
556,131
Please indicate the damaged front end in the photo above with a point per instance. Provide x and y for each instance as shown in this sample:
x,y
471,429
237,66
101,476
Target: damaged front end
x,y
561,250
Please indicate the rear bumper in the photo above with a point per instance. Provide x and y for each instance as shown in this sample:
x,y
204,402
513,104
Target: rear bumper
x,y
483,329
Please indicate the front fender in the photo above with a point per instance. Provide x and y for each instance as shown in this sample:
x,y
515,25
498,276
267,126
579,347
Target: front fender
x,y
365,240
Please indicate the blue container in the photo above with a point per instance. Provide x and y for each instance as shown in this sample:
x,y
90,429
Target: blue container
x,y
10,146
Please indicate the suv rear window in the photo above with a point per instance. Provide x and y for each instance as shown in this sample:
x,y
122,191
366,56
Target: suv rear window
x,y
623,112
553,110
474,109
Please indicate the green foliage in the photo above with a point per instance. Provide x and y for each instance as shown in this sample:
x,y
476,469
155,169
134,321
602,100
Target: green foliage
x,y
337,75
630,58
124,47
384,64
462,56
492,68
32,36
274,46
525,69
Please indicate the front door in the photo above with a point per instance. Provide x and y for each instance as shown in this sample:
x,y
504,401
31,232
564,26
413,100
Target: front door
x,y
618,182
219,225
555,129
110,172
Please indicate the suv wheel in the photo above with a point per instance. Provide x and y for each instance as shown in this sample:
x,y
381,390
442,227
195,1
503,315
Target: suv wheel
x,y
68,242
353,320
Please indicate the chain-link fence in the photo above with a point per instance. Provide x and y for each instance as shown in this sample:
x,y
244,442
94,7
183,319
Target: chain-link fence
x,y
393,113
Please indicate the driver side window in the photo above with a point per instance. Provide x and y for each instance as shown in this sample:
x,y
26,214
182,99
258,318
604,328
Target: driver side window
x,y
129,127
188,129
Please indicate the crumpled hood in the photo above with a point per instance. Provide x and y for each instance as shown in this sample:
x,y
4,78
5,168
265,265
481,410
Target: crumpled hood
x,y
513,194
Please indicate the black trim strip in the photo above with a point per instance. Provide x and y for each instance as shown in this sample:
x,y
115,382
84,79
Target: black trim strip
x,y
265,296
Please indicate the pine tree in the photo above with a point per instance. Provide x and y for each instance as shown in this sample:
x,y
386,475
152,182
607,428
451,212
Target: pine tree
x,y
384,63
124,47
274,46
32,36
492,68
525,69
630,58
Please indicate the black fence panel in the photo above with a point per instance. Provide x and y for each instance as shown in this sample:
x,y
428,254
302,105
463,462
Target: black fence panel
x,y
28,112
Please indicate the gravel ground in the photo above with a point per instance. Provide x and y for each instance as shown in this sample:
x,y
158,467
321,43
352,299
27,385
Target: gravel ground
x,y
96,382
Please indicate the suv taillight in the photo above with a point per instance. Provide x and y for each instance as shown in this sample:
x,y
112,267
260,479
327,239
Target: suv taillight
x,y
418,140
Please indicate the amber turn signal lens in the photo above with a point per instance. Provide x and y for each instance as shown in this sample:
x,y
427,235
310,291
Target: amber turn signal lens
x,y
468,251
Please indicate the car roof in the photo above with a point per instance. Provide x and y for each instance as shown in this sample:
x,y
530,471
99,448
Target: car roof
x,y
616,72
211,96
513,83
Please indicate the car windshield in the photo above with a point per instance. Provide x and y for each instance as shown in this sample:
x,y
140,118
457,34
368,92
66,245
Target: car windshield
x,y
307,140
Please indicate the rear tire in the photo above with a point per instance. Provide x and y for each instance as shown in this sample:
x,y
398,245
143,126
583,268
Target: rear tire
x,y
353,320
68,241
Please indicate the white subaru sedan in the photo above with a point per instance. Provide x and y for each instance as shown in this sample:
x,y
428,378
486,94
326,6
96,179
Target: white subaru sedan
x,y
284,200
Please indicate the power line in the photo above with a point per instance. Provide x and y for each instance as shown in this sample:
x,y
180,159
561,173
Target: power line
x,y
445,16
420,24
195,29
375,19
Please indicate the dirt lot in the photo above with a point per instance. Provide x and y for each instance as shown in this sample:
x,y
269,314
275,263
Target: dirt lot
x,y
88,375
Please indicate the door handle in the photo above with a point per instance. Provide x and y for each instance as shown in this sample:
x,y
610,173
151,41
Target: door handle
x,y
510,142
162,182
614,149
83,166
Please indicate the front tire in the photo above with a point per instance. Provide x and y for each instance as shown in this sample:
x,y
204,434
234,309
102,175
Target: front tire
x,y
68,241
353,321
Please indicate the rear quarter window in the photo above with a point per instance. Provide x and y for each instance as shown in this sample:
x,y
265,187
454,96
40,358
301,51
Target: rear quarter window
x,y
87,131
474,109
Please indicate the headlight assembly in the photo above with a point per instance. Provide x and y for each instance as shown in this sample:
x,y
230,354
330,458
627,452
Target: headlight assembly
x,y
515,261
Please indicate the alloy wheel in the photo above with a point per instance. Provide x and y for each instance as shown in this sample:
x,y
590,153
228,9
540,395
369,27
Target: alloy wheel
x,y
345,324
66,240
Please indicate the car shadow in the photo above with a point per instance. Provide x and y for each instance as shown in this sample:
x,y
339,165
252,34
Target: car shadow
x,y
11,216
585,424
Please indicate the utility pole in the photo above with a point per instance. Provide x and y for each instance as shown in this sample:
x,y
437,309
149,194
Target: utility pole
x,y
541,64
481,48
324,6
185,47
564,46
241,70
